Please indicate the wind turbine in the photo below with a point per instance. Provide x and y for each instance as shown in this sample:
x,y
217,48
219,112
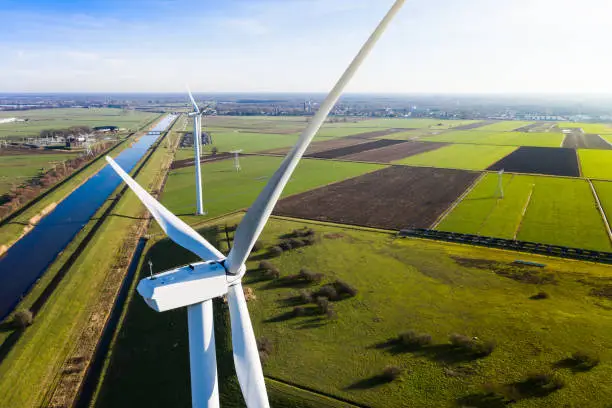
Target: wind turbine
x,y
195,285
197,140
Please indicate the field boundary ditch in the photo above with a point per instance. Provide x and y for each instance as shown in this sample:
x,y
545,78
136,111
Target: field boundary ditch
x,y
511,245
601,210
457,201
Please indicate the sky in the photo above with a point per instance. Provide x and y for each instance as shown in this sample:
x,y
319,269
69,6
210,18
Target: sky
x,y
433,46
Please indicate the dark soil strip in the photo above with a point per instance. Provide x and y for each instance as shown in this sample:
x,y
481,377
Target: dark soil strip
x,y
540,160
362,147
474,125
510,245
393,198
588,141
179,164
391,153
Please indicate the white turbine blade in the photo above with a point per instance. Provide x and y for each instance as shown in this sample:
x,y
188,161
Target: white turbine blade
x,y
195,105
256,217
174,227
246,356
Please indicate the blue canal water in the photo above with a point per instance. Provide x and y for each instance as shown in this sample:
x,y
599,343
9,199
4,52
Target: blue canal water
x,y
29,258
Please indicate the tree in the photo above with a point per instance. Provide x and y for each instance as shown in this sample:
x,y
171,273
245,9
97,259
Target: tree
x,y
23,318
214,150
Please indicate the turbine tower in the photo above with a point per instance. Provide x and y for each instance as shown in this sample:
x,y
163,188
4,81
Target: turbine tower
x,y
195,285
197,141
237,159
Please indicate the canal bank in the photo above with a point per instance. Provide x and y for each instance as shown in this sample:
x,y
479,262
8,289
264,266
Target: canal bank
x,y
27,260
39,363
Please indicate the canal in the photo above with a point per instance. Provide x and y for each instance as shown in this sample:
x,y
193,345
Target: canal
x,y
28,259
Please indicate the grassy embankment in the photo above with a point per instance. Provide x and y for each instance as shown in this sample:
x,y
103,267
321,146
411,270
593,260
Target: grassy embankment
x,y
560,211
426,286
34,362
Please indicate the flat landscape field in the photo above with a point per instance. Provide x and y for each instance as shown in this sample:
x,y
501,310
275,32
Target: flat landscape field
x,y
585,141
341,152
16,169
225,190
540,160
42,119
505,126
480,136
596,164
394,152
393,198
595,128
559,211
460,156
425,286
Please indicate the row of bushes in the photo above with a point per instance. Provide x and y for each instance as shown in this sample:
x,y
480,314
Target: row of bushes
x,y
20,195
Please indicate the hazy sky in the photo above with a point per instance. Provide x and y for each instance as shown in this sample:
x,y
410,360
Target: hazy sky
x,y
442,46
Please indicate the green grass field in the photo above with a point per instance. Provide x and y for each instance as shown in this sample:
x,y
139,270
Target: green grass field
x,y
561,211
595,128
405,123
225,190
42,119
505,126
460,156
542,139
596,163
403,285
20,168
604,192
249,142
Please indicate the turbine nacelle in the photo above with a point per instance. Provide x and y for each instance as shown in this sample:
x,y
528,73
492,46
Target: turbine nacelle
x,y
185,286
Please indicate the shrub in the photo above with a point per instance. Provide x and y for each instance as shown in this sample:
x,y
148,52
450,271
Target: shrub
x,y
323,304
299,311
305,296
584,360
272,273
275,251
310,276
331,314
264,344
266,265
474,346
391,373
538,384
285,245
309,240
258,246
540,295
414,339
23,318
344,288
296,243
328,291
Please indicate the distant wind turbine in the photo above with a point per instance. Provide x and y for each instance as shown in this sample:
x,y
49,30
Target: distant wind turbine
x,y
194,286
197,140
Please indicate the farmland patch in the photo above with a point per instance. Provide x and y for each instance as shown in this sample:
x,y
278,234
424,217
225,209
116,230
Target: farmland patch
x,y
596,163
551,206
393,198
460,156
394,152
322,145
578,140
480,136
506,126
540,160
348,150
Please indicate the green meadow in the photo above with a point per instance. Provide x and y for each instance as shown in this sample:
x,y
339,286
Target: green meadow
x,y
17,169
225,190
561,211
475,136
596,164
402,285
460,156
